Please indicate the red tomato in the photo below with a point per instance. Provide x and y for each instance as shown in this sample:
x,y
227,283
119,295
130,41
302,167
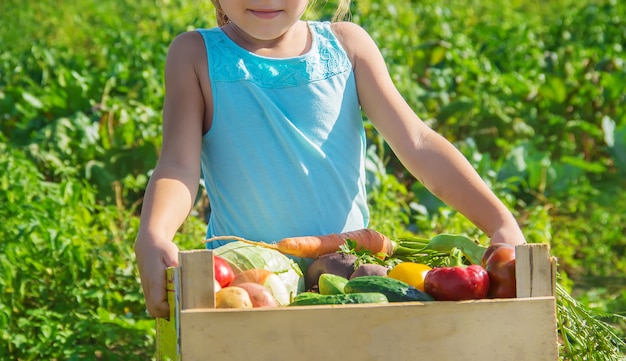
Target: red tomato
x,y
457,283
499,261
224,274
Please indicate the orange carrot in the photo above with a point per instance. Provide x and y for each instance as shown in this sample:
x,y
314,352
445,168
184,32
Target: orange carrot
x,y
315,246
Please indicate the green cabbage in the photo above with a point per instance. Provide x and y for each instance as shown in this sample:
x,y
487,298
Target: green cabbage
x,y
242,256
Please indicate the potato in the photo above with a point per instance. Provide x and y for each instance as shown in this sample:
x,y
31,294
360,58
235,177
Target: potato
x,y
369,269
232,297
339,264
268,279
259,295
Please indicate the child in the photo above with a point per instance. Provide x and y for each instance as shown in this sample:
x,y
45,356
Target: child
x,y
266,107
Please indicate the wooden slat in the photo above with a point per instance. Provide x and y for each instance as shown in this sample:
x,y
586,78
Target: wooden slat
x,y
534,271
553,268
166,331
489,330
196,279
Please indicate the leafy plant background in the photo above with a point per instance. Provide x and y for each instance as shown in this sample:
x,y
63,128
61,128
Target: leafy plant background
x,y
532,93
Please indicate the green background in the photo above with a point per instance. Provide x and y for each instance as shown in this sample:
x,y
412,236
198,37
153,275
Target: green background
x,y
531,92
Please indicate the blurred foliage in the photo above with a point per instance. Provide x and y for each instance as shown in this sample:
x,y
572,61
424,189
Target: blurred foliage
x,y
532,98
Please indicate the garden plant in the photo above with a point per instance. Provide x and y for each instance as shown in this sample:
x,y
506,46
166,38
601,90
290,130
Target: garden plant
x,y
531,92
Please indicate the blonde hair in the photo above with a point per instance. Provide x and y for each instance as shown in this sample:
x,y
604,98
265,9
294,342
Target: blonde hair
x,y
222,19
343,9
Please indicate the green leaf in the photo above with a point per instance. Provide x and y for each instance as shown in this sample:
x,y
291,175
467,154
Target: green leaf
x,y
459,107
32,100
584,165
554,89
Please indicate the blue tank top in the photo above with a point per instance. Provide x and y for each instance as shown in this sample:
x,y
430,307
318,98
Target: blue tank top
x,y
285,153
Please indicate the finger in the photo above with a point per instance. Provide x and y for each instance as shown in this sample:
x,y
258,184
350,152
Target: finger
x,y
156,302
160,310
156,293
170,256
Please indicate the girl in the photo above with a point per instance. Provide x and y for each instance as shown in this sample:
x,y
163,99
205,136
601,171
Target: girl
x,y
266,107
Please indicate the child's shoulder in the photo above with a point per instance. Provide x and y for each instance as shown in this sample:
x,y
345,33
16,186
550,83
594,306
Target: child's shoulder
x,y
352,36
186,51
349,32
187,44
187,38
346,27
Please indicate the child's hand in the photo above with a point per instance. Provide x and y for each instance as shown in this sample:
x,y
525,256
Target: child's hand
x,y
511,235
153,259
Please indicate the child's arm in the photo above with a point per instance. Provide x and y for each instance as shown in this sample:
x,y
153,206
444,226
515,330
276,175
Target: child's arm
x,y
428,156
173,186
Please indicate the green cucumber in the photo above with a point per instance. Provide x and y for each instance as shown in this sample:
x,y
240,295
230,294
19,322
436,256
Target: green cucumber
x,y
307,299
331,284
305,296
395,290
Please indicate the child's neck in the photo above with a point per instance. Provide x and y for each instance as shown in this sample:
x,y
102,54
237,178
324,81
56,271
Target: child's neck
x,y
294,42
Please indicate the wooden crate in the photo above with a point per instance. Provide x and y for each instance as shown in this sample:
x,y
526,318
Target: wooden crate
x,y
520,329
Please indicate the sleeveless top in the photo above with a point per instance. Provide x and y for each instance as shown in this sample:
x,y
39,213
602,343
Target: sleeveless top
x,y
285,152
